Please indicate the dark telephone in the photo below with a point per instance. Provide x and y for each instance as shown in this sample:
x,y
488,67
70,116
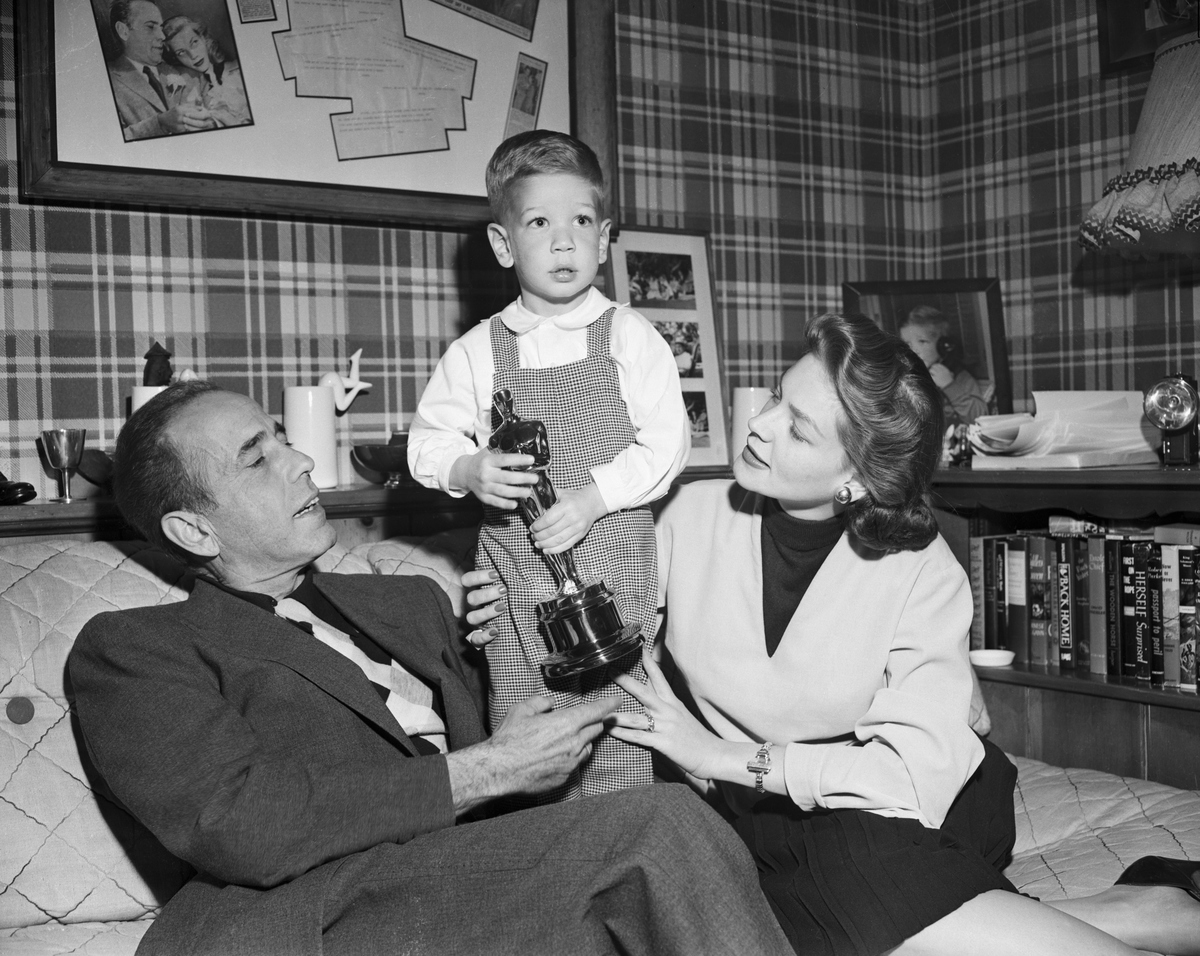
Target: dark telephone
x,y
950,352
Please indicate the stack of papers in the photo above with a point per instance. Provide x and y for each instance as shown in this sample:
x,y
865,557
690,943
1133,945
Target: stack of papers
x,y
1070,430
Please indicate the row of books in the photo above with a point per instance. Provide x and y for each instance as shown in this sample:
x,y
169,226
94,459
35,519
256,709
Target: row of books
x,y
1120,605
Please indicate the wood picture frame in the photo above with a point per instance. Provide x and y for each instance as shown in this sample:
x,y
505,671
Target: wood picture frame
x,y
666,276
1131,30
45,177
973,315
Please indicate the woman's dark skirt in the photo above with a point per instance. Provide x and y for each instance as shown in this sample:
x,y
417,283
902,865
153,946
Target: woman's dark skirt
x,y
852,882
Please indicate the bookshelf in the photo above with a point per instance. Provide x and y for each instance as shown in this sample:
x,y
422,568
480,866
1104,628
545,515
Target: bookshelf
x,y
1079,720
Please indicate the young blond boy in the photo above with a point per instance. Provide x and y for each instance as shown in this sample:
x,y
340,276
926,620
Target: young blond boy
x,y
963,400
606,385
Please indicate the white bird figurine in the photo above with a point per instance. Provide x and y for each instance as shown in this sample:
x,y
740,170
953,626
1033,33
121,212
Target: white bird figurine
x,y
345,387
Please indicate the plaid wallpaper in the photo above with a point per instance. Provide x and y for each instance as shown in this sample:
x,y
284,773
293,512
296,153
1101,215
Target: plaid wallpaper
x,y
1028,133
816,142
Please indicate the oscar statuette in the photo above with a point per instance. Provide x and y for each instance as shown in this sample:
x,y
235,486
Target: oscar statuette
x,y
583,625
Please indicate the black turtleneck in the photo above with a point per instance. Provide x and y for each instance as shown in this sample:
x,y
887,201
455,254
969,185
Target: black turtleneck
x,y
793,550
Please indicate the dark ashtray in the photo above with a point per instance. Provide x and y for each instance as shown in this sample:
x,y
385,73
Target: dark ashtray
x,y
390,460
15,492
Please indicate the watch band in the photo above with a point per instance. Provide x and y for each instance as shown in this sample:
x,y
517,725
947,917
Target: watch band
x,y
760,766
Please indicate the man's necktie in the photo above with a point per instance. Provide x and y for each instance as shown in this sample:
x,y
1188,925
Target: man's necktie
x,y
408,698
156,86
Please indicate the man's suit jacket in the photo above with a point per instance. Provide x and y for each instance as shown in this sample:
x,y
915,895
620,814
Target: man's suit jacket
x,y
138,104
263,757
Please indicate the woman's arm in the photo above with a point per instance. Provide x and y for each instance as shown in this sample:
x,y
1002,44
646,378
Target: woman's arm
x,y
682,739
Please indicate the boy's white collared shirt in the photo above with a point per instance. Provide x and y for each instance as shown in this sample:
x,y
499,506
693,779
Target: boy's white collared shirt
x,y
454,415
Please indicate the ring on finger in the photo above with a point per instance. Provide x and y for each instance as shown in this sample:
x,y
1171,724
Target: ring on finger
x,y
649,723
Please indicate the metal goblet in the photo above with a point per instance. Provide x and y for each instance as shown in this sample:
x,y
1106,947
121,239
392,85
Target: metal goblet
x,y
64,451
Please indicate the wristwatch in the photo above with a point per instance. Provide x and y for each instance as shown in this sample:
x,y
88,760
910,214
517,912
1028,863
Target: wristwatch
x,y
761,765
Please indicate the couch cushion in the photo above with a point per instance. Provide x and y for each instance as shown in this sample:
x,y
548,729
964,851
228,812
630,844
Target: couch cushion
x,y
1078,829
75,939
71,853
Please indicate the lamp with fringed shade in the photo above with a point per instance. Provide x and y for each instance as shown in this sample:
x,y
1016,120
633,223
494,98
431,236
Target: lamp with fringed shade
x,y
1153,207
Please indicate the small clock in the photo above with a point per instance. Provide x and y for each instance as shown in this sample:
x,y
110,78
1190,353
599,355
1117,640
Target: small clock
x,y
1170,406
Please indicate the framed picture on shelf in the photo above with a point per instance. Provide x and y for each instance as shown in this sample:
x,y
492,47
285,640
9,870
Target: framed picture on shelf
x,y
1131,30
956,326
665,276
387,112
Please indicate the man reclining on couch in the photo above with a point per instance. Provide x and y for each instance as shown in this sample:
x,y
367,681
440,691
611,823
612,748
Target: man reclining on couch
x,y
313,744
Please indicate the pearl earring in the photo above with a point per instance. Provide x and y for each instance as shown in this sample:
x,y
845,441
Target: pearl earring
x,y
843,496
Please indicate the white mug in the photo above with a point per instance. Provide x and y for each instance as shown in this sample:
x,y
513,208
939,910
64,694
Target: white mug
x,y
142,394
308,418
747,402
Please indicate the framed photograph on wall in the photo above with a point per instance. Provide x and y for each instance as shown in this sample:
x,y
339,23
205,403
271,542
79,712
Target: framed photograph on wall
x,y
354,110
956,326
665,276
1131,30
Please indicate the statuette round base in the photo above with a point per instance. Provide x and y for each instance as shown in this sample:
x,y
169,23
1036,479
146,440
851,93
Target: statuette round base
x,y
584,630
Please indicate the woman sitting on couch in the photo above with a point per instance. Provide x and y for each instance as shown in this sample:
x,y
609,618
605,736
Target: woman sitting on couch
x,y
818,623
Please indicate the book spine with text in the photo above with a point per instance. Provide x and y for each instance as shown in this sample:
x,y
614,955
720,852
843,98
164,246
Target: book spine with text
x,y
1128,625
1154,606
1170,614
1038,619
1112,604
1000,611
1097,631
1187,619
975,575
1141,610
1064,591
1081,555
1016,580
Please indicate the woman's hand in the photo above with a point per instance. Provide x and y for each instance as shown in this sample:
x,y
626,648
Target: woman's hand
x,y
677,735
486,595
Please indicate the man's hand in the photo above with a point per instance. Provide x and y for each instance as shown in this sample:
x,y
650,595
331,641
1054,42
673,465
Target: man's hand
x,y
186,119
485,474
533,750
569,520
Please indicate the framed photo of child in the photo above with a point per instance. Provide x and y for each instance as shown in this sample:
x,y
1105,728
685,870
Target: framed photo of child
x,y
957,327
665,276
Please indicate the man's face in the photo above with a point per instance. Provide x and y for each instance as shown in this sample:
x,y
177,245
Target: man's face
x,y
267,520
190,49
142,34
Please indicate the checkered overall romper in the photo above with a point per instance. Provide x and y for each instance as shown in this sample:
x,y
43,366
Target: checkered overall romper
x,y
588,425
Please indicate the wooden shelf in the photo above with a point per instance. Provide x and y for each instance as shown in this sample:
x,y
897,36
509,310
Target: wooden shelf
x,y
1121,493
100,515
1050,678
1077,719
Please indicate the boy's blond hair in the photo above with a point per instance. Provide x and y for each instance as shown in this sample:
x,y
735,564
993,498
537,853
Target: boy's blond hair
x,y
539,151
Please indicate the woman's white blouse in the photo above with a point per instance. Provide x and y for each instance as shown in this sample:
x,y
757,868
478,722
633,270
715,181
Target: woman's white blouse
x,y
870,686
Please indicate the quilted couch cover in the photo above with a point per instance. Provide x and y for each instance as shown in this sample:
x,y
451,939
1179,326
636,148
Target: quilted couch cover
x,y
79,875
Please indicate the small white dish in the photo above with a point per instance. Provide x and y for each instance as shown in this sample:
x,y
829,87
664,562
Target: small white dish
x,y
992,657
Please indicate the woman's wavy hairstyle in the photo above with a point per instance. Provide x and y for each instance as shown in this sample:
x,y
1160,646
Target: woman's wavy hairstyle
x,y
890,427
177,24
